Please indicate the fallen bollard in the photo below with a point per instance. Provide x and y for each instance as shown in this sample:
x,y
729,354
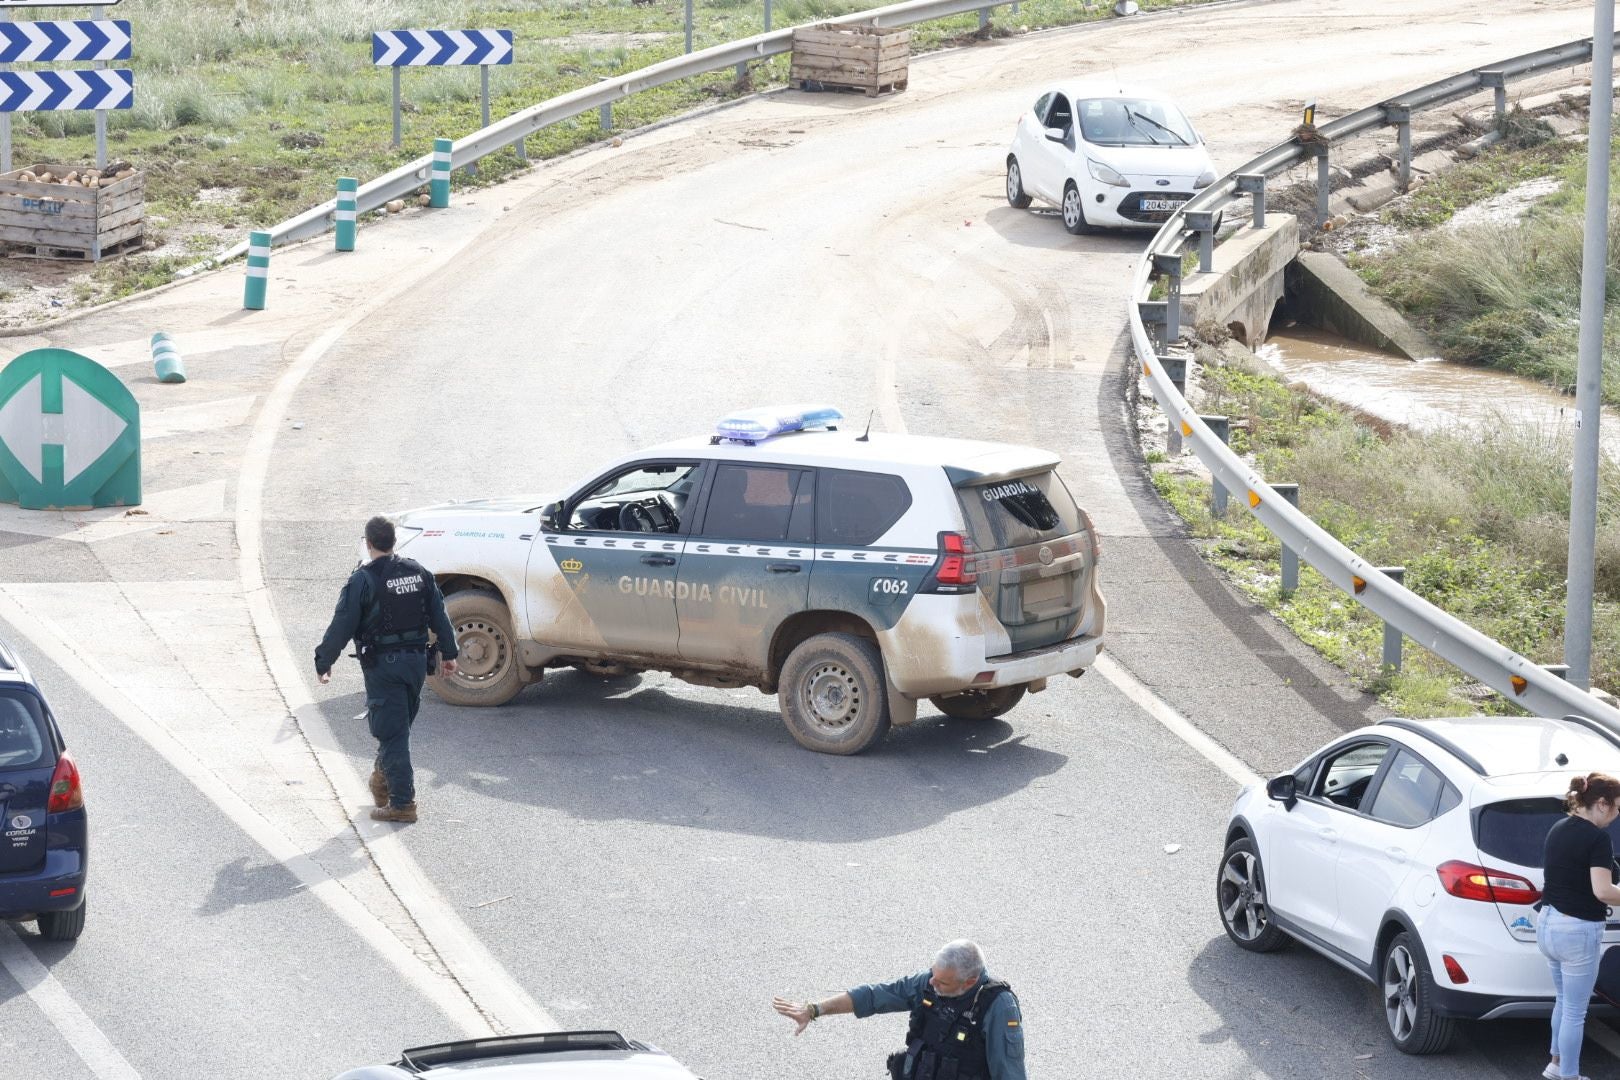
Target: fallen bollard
x,y
166,359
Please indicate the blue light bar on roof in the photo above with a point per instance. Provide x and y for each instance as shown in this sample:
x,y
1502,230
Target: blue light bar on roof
x,y
757,425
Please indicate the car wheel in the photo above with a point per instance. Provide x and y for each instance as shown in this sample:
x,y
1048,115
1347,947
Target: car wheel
x,y
1017,197
1240,894
487,671
1074,214
1414,1024
63,925
833,695
979,704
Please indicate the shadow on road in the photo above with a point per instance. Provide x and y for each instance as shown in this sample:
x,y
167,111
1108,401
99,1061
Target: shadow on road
x,y
1042,227
629,750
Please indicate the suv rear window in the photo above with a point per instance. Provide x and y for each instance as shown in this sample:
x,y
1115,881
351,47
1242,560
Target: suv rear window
x,y
23,743
1013,513
857,507
1516,830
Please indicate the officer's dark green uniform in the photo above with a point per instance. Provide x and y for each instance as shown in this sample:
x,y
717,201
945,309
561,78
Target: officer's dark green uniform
x,y
977,1035
387,608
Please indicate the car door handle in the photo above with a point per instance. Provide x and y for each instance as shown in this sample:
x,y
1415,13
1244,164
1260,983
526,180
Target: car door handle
x,y
658,560
783,567
1330,835
1396,854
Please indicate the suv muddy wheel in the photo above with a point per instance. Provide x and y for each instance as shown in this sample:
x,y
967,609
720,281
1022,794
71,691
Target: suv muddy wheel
x,y
487,671
63,925
1408,991
979,704
1240,894
833,695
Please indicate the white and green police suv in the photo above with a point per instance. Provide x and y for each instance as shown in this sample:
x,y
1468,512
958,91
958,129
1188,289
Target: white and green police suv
x,y
850,575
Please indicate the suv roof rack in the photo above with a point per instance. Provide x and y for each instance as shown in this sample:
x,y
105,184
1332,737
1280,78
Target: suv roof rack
x,y
420,1058
1439,740
1604,731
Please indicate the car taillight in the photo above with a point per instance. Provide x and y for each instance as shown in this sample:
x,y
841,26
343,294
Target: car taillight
x,y
66,794
956,560
1472,882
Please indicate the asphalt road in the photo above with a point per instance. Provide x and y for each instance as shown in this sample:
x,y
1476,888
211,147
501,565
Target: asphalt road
x,y
643,854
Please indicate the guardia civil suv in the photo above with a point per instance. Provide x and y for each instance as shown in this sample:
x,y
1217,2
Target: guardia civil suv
x,y
1410,854
851,575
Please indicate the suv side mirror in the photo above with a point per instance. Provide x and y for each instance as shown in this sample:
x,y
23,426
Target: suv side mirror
x,y
548,516
1281,788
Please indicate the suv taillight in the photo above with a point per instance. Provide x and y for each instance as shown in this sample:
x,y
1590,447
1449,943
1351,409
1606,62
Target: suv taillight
x,y
1472,882
66,793
956,561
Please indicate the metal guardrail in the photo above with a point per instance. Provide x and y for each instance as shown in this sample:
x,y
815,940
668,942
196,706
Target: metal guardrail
x,y
1516,677
410,176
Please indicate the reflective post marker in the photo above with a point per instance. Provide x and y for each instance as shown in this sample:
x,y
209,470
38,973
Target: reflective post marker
x,y
166,360
344,218
258,271
439,188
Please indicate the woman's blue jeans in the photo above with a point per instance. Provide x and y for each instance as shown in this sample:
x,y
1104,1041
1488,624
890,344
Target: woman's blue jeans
x,y
1572,947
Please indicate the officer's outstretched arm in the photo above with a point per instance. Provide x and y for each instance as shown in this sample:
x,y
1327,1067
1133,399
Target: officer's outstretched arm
x,y
803,1013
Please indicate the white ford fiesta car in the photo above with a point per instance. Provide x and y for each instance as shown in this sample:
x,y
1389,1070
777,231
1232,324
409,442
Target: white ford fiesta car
x,y
1106,157
1410,853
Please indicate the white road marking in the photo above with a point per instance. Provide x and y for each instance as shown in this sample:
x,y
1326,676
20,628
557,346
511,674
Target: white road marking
x,y
51,998
89,675
505,1005
1178,725
158,510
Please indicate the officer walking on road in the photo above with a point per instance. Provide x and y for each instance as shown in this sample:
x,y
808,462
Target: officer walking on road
x,y
387,607
964,1024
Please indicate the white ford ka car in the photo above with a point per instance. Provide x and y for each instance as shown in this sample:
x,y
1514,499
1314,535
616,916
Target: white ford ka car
x,y
1410,853
1106,157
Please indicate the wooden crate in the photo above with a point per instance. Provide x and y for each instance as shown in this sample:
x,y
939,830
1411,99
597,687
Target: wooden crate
x,y
868,58
65,221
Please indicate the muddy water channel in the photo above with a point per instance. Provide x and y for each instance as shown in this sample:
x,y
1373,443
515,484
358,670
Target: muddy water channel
x,y
1425,395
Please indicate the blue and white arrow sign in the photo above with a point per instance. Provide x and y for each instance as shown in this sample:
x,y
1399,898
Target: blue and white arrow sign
x,y
57,91
35,42
440,48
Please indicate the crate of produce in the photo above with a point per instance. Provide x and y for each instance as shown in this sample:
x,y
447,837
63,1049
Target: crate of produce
x,y
72,211
873,59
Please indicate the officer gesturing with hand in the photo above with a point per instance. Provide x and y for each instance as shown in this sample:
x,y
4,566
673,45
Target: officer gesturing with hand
x,y
387,608
964,1025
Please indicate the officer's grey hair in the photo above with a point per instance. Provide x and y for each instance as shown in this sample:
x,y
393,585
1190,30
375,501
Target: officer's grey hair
x,y
963,957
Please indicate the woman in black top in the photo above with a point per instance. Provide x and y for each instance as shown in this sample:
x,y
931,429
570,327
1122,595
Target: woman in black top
x,y
1579,884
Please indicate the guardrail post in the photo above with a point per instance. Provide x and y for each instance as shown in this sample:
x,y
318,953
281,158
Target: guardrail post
x,y
343,224
1393,638
1221,426
1401,117
688,27
1324,183
1497,82
1203,223
984,19
439,187
1254,186
1560,670
258,271
1290,558
767,16
1153,316
1170,267
1175,369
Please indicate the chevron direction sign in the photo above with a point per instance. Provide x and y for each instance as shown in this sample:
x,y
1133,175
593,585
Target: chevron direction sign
x,y
70,434
36,42
440,48
55,91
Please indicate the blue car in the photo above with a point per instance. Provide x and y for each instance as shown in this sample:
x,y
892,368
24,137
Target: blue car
x,y
43,832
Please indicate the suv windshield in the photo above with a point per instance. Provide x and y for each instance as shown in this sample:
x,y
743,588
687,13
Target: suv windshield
x,y
1516,831
23,744
1012,513
1134,122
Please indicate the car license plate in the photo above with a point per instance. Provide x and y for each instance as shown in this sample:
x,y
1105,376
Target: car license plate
x,y
1040,592
1162,204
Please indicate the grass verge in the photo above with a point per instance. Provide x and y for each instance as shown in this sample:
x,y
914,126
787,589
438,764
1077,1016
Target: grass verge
x,y
1479,519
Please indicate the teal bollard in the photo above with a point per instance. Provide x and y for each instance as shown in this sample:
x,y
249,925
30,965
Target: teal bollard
x,y
345,224
439,189
258,271
166,359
